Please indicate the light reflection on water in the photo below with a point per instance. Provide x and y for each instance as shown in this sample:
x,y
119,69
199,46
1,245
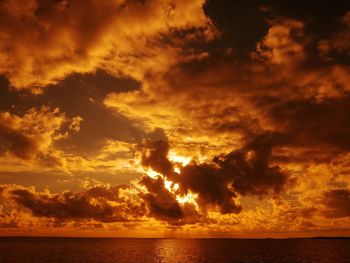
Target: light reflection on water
x,y
173,250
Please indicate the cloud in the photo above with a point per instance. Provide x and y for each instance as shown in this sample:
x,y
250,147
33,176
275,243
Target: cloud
x,y
21,145
211,184
200,188
44,41
155,155
313,124
282,44
103,204
254,174
255,141
245,171
280,88
163,204
260,124
337,203
33,133
338,42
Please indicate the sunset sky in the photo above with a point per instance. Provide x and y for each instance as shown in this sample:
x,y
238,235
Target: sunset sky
x,y
175,118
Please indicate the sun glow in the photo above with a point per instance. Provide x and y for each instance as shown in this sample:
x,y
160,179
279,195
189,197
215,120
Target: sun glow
x,y
168,185
189,198
151,173
173,188
178,162
178,159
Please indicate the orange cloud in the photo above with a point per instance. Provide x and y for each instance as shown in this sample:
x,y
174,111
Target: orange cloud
x,y
44,41
284,43
34,132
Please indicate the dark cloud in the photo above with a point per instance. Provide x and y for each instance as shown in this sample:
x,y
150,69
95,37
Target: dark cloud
x,y
163,205
17,143
104,204
11,224
246,171
204,179
155,156
251,169
94,203
314,124
322,18
212,186
244,23
245,30
337,203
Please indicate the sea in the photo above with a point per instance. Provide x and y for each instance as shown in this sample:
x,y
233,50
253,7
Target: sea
x,y
43,249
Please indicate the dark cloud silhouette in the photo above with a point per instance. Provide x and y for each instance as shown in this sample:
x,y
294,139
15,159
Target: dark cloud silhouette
x,y
244,23
314,124
105,204
20,145
246,171
337,203
212,186
251,169
155,156
163,205
91,204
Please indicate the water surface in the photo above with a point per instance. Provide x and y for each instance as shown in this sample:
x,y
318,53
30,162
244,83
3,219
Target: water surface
x,y
64,250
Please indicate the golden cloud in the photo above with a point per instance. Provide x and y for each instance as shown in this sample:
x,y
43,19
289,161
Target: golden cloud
x,y
33,133
44,41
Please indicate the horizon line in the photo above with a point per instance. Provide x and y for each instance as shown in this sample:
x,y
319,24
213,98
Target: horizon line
x,y
95,237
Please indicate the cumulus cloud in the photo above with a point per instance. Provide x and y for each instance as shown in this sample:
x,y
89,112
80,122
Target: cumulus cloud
x,y
163,204
33,133
211,185
245,171
155,155
101,203
104,204
43,41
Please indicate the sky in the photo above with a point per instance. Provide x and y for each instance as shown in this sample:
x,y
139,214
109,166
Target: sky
x,y
175,118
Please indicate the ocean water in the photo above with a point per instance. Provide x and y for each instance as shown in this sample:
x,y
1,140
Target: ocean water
x,y
65,250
